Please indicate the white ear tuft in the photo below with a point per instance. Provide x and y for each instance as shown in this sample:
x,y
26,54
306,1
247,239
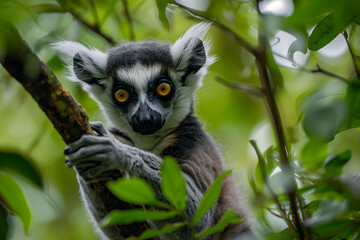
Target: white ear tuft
x,y
190,53
83,63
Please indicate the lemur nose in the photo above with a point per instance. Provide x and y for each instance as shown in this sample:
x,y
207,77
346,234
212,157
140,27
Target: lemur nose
x,y
146,121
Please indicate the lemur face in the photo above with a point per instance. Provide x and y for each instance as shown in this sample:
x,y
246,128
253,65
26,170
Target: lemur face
x,y
142,90
143,87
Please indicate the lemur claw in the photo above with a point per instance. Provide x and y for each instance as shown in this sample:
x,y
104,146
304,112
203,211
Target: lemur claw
x,y
99,128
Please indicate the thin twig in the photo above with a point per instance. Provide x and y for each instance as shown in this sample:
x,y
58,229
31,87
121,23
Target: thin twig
x,y
274,113
317,70
94,13
201,15
323,71
93,27
353,57
129,19
265,180
274,213
249,89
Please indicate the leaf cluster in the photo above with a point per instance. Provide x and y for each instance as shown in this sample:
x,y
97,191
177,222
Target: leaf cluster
x,y
12,198
137,191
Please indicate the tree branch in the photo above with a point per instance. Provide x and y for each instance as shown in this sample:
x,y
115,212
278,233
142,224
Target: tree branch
x,y
281,209
93,27
129,19
323,71
317,70
67,116
353,56
202,16
94,13
274,113
252,90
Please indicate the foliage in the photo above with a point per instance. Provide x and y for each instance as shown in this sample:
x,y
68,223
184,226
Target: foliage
x,y
12,198
308,177
137,191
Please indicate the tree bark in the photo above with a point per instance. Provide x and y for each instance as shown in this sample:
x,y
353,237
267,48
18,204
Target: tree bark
x,y
68,117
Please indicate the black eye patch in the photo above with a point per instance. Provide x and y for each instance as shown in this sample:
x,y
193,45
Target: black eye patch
x,y
118,85
152,88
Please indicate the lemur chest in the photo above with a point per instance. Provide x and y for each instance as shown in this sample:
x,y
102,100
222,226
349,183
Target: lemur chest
x,y
154,145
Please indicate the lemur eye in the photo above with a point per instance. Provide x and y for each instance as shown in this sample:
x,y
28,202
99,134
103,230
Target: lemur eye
x,y
122,95
163,89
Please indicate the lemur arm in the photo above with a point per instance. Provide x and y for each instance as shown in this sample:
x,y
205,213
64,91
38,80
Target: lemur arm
x,y
98,158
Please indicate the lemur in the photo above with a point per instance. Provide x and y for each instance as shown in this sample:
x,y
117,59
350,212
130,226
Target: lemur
x,y
146,91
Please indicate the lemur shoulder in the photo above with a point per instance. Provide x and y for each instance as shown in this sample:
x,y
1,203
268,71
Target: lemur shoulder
x,y
146,91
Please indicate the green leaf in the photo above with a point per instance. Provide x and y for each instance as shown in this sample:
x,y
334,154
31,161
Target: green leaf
x,y
283,235
133,190
313,154
161,7
335,229
327,211
151,233
110,6
124,217
210,197
173,184
357,20
271,156
13,198
323,121
47,8
327,30
15,163
254,187
280,181
4,222
353,101
269,162
229,217
276,76
335,164
305,10
313,206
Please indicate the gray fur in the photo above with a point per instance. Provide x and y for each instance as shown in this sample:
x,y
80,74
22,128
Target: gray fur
x,y
146,53
133,150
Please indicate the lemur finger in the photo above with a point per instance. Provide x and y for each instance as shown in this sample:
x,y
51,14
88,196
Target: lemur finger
x,y
92,179
71,161
100,174
111,175
83,166
90,150
84,141
99,128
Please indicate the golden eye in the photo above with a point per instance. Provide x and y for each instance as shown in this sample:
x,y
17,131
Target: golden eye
x,y
122,95
163,89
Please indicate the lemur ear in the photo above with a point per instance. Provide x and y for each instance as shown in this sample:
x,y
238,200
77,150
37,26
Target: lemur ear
x,y
88,72
87,66
197,56
190,54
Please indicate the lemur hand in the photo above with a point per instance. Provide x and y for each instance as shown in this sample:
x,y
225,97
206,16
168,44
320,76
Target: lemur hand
x,y
97,158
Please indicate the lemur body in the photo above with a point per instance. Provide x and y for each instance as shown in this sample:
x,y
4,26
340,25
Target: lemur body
x,y
146,91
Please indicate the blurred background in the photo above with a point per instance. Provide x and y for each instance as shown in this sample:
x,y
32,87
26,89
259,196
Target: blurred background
x,y
307,100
